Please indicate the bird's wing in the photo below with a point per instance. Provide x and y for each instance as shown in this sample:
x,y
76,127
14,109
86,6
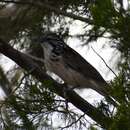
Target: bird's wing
x,y
78,63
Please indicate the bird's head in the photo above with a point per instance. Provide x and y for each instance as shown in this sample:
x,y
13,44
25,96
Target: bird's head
x,y
51,41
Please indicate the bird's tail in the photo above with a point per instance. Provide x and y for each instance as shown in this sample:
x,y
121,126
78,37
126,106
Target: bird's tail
x,y
104,91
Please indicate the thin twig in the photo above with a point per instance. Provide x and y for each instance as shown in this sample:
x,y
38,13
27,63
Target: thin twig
x,y
104,62
62,128
25,75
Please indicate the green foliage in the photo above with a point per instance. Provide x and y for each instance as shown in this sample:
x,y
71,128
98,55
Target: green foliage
x,y
118,89
31,102
121,84
121,91
122,118
92,128
34,105
102,13
106,15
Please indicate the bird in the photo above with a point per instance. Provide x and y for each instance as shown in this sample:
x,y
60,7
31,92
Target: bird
x,y
69,65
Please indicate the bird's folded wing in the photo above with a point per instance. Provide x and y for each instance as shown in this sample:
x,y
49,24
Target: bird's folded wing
x,y
78,63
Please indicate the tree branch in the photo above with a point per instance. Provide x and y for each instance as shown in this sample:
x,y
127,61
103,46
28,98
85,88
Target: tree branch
x,y
4,83
44,6
104,62
27,63
114,102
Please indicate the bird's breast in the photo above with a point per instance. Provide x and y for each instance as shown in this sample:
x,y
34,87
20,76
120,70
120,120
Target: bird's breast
x,y
67,74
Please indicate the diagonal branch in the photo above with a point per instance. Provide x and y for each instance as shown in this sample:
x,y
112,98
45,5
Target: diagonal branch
x,y
44,6
104,62
26,62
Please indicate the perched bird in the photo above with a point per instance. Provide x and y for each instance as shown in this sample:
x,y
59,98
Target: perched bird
x,y
70,66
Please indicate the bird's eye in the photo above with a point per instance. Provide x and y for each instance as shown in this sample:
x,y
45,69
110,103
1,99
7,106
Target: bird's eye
x,y
58,47
61,45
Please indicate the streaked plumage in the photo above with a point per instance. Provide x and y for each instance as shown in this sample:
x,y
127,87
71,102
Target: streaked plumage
x,y
70,66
